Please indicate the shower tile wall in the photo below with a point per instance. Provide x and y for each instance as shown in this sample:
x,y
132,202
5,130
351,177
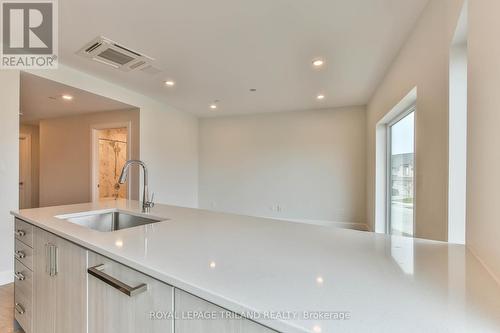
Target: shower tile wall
x,y
112,157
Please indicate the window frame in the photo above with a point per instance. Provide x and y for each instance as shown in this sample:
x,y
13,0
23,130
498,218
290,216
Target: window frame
x,y
388,199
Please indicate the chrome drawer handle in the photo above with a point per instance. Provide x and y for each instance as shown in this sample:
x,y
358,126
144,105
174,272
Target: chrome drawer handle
x,y
51,254
19,309
19,276
20,255
20,233
97,271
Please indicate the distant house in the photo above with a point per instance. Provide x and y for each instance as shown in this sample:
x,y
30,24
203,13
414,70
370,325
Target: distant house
x,y
402,175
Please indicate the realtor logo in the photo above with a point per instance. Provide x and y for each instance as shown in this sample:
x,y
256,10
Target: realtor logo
x,y
29,34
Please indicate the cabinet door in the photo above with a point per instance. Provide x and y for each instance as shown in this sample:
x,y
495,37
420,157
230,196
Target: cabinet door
x,y
44,285
111,310
187,304
60,285
71,288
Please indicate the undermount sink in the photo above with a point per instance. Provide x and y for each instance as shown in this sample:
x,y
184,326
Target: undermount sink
x,y
109,221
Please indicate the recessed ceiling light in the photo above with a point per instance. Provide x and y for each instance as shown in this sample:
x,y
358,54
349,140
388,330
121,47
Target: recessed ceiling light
x,y
213,106
319,280
67,97
318,62
212,264
170,83
320,97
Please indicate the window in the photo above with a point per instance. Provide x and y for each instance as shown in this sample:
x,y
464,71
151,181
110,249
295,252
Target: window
x,y
401,174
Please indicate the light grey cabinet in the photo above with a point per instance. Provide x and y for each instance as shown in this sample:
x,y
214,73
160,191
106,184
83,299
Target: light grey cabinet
x,y
62,287
59,285
23,232
44,285
122,300
219,321
23,306
23,274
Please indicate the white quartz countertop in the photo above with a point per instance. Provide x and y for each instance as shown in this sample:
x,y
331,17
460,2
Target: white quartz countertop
x,y
291,271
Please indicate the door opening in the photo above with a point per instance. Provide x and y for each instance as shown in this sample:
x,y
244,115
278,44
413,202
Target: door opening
x,y
111,151
24,171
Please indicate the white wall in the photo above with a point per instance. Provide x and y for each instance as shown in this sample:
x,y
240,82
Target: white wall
x,y
423,62
9,168
311,163
66,155
169,138
169,145
458,144
483,168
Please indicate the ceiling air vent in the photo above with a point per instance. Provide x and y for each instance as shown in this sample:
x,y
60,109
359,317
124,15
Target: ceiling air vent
x,y
107,52
150,70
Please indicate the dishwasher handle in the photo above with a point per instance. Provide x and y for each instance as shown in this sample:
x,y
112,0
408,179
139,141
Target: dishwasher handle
x,y
98,272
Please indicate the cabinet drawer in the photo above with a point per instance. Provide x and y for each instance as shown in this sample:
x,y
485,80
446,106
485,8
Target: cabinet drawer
x,y
186,303
23,281
23,312
24,254
117,310
24,232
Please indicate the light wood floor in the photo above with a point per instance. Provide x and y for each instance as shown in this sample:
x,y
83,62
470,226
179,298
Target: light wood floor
x,y
7,309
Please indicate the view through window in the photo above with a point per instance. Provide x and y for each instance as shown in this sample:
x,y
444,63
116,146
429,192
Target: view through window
x,y
401,174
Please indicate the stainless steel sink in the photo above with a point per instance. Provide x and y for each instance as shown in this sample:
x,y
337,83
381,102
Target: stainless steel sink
x,y
109,221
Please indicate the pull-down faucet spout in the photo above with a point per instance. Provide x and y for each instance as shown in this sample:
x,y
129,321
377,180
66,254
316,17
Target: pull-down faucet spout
x,y
147,203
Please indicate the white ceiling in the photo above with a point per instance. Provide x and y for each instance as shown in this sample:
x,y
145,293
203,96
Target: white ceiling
x,y
219,49
41,99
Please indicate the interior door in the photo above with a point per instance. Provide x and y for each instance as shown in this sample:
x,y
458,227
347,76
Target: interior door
x,y
24,171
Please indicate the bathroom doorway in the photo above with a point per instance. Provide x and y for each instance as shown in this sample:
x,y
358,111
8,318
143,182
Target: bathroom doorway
x,y
111,149
61,126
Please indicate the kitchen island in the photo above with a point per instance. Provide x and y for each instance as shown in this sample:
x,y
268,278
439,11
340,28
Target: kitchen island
x,y
281,276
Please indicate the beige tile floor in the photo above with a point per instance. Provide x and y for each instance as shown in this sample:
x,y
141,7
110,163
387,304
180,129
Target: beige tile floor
x,y
7,309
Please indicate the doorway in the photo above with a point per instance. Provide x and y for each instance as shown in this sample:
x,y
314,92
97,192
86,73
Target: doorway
x,y
401,174
111,149
24,171
61,120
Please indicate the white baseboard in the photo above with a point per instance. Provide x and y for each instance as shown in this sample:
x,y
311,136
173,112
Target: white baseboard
x,y
486,266
342,225
6,277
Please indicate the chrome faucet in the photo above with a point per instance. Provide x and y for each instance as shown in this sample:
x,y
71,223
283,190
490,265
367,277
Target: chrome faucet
x,y
147,203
